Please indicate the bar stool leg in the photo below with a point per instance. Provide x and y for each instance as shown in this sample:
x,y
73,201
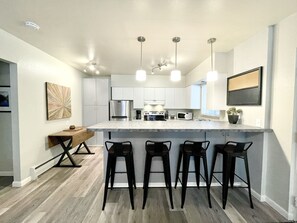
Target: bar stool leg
x,y
213,165
167,171
129,177
178,167
133,171
113,168
197,170
248,179
232,173
206,179
106,180
186,161
147,169
226,176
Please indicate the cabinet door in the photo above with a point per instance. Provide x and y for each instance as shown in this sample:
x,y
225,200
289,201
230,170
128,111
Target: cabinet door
x,y
102,88
90,118
149,94
138,98
179,98
169,98
127,93
160,94
89,91
117,93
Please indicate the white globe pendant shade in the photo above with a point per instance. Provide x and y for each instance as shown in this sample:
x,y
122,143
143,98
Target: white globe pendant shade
x,y
140,75
175,75
212,75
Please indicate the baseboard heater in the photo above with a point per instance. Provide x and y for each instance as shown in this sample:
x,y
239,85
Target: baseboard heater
x,y
35,171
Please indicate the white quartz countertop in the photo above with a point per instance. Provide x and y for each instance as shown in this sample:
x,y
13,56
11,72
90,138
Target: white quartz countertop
x,y
172,126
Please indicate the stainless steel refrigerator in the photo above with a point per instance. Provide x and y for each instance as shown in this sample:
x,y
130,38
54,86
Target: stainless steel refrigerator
x,y
120,110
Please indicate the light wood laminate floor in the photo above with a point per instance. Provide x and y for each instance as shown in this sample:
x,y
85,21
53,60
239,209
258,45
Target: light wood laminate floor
x,y
75,195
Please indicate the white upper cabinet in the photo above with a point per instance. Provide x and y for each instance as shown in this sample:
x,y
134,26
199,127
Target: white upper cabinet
x,y
169,98
193,97
122,93
138,97
102,89
179,98
216,93
154,94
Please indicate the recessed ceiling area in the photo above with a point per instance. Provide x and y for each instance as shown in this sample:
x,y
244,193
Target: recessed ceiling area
x,y
105,32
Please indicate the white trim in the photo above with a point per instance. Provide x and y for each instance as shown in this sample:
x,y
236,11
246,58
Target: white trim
x,y
276,207
6,173
21,183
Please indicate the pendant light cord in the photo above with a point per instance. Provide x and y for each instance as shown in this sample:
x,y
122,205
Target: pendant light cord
x,y
175,55
211,56
141,55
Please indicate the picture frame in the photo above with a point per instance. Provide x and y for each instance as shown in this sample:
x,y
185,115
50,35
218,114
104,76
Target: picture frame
x,y
58,101
245,88
5,99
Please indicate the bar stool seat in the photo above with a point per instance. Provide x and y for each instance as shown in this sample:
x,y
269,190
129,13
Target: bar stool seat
x,y
230,151
197,149
153,149
119,149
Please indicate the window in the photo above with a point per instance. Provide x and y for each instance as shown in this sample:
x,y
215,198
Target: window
x,y
204,110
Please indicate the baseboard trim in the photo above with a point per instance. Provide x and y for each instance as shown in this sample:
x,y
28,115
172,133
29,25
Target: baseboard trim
x,y
6,173
278,208
21,183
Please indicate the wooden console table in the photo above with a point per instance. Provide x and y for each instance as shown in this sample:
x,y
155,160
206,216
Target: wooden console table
x,y
76,137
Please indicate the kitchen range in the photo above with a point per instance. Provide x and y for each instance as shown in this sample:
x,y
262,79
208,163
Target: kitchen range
x,y
154,116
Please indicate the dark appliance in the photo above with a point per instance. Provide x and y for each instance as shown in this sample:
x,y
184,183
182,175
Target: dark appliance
x,y
138,114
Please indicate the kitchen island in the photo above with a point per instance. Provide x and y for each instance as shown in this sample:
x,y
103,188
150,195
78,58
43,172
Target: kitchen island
x,y
177,131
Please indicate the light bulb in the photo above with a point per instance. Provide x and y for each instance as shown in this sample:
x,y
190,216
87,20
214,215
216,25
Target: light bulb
x,y
175,75
140,75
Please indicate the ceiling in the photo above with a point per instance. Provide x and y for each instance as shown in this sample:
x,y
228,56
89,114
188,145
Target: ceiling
x,y
77,31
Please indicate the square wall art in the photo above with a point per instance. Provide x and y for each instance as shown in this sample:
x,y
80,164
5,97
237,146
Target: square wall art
x,y
58,100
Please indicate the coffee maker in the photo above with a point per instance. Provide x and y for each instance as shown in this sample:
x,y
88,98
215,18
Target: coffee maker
x,y
138,114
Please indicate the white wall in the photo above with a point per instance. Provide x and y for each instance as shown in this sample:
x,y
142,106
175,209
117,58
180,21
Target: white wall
x,y
282,118
248,55
34,68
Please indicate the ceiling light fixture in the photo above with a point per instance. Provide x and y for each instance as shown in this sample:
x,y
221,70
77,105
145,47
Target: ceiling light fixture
x,y
32,25
141,74
175,74
159,66
92,68
213,74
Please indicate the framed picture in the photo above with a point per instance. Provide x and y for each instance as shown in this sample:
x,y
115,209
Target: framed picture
x,y
5,99
245,88
58,101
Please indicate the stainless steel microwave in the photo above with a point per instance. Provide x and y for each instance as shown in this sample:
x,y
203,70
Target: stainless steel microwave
x,y
185,115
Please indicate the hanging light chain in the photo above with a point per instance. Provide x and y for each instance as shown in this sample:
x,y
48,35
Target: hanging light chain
x,y
141,39
176,40
211,41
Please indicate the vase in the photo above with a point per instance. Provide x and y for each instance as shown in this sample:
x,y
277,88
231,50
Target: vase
x,y
233,119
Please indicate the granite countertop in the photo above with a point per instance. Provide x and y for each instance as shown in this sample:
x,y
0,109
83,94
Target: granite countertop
x,y
172,126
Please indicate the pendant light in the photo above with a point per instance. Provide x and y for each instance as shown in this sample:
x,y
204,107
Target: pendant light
x,y
141,74
212,75
175,74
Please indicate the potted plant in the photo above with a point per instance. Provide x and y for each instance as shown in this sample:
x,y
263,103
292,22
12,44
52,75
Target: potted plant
x,y
233,115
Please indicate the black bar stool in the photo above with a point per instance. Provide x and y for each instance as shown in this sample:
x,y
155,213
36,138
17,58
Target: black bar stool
x,y
119,149
230,151
197,150
157,149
